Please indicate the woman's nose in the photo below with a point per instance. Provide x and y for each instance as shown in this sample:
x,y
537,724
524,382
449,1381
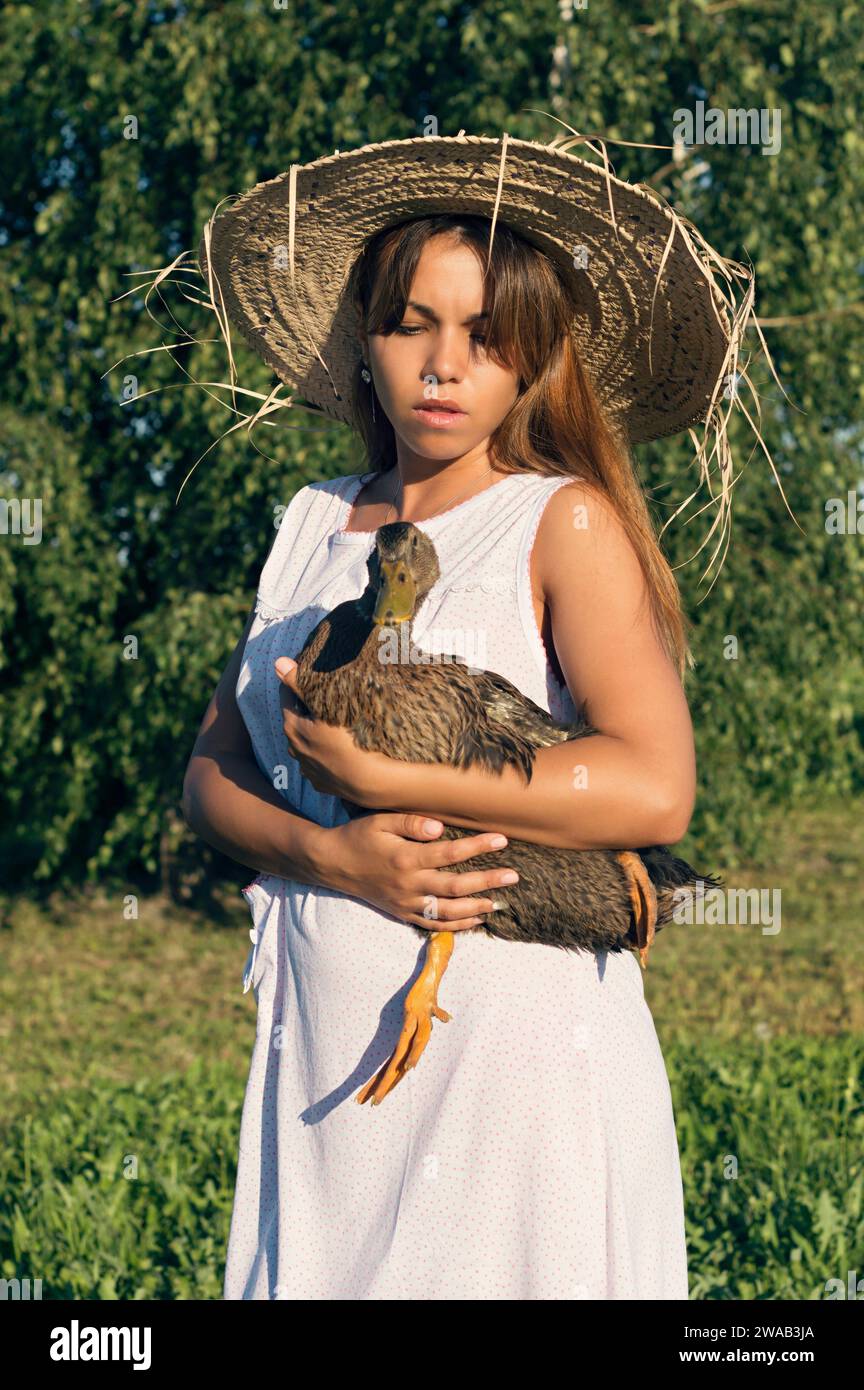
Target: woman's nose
x,y
448,358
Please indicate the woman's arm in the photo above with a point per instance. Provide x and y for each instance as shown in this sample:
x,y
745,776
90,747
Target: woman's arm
x,y
230,803
632,784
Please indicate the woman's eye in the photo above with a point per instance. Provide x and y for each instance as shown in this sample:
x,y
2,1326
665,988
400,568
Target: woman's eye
x,y
409,330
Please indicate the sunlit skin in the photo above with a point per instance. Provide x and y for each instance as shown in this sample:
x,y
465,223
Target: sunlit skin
x,y
638,781
424,359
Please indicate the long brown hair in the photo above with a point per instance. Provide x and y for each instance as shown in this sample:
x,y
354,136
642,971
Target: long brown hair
x,y
556,426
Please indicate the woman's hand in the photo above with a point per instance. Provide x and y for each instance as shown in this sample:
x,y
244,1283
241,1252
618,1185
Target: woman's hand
x,y
327,755
378,858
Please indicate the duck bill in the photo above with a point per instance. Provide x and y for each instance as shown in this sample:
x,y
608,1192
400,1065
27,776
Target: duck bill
x,y
397,594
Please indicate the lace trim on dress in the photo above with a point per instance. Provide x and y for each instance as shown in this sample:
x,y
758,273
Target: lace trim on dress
x,y
266,613
490,584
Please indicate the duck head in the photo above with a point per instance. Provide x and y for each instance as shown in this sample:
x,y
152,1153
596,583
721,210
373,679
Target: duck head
x,y
406,567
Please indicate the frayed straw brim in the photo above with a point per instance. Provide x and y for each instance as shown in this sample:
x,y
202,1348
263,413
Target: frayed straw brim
x,y
659,322
652,328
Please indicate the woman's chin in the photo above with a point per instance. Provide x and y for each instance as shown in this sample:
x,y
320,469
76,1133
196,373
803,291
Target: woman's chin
x,y
429,442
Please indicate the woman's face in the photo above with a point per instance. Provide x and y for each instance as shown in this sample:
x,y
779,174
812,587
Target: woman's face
x,y
438,354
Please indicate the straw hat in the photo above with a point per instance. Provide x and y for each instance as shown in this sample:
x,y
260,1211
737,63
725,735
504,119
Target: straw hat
x,y
659,315
651,322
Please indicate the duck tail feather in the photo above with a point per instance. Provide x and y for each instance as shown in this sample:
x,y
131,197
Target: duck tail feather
x,y
666,870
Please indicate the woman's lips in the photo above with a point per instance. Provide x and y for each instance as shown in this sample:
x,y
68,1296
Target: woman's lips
x,y
438,419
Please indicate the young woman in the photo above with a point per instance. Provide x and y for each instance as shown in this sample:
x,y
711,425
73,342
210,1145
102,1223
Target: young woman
x,y
532,1154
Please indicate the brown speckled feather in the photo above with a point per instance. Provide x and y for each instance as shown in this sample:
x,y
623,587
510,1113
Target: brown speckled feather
x,y
443,711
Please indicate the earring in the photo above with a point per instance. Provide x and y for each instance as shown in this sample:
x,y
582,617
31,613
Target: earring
x,y
367,377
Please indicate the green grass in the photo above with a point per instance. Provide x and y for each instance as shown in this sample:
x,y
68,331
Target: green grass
x,y
124,1191
86,996
125,1044
771,1137
734,983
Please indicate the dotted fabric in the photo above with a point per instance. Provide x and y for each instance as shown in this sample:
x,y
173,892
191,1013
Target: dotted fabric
x,y
532,1152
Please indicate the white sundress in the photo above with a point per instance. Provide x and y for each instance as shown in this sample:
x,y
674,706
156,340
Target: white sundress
x,y
531,1153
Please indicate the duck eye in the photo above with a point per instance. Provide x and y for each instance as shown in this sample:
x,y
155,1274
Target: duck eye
x,y
402,577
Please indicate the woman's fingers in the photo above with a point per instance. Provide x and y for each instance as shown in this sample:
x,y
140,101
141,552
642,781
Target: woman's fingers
x,y
461,896
451,914
441,854
452,906
461,883
455,891
411,825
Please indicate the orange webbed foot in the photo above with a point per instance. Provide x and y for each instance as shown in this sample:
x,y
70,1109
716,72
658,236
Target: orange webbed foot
x,y
643,902
421,1006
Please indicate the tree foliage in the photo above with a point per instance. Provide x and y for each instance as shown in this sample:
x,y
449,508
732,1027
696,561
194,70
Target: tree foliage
x,y
95,739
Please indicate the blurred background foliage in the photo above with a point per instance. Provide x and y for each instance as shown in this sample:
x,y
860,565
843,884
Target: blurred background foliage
x,y
225,95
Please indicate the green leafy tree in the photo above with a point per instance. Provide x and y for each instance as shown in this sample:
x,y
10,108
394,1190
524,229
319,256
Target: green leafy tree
x,y
122,125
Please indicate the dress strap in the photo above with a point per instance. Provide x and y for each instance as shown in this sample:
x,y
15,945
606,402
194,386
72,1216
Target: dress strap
x,y
311,515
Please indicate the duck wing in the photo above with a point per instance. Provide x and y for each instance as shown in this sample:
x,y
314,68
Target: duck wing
x,y
505,726
506,705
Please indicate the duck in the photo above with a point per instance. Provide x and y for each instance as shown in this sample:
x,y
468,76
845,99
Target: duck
x,y
359,669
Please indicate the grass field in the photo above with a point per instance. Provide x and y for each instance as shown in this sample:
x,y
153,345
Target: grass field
x,y
125,1046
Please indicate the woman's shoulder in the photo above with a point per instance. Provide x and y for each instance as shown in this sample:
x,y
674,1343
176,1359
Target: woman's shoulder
x,y
335,486
558,501
319,498
581,536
